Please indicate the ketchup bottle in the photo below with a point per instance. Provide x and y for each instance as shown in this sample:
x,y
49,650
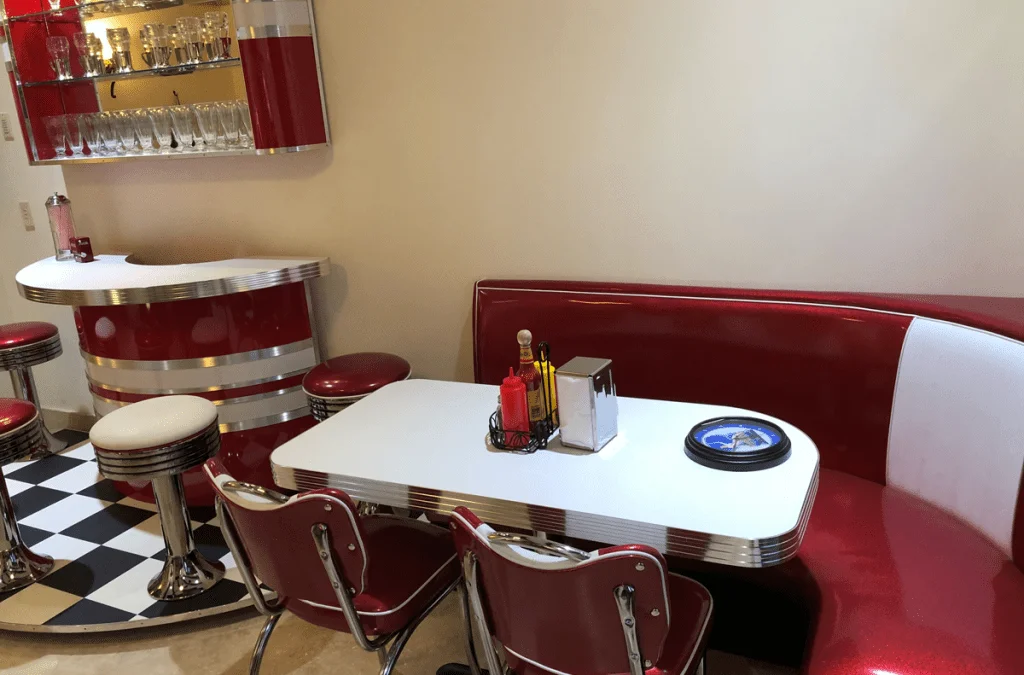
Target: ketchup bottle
x,y
514,415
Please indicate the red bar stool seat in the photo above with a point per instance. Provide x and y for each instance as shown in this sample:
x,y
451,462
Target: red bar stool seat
x,y
544,607
21,434
23,345
337,383
374,576
158,440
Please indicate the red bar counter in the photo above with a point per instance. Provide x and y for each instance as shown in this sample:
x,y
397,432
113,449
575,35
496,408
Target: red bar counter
x,y
239,332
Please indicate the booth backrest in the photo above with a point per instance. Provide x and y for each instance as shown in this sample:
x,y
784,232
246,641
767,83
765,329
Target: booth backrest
x,y
906,391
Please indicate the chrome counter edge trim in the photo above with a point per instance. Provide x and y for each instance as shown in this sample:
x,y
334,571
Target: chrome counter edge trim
x,y
726,550
173,292
290,148
204,362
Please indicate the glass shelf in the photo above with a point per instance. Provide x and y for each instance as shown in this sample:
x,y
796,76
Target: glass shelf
x,y
104,8
147,72
191,154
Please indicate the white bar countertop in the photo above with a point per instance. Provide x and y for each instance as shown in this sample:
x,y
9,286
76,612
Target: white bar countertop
x,y
116,280
422,444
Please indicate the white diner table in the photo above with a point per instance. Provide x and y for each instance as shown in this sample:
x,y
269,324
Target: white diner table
x,y
422,444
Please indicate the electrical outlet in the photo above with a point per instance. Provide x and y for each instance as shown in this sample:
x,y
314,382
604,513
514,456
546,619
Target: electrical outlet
x,y
5,125
26,217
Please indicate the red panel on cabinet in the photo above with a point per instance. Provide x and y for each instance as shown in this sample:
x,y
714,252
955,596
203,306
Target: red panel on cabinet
x,y
281,80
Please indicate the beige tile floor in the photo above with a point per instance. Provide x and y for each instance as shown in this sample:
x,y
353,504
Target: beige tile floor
x,y
222,645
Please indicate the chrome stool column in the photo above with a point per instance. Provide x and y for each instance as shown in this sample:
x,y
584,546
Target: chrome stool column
x,y
23,345
337,383
157,440
21,434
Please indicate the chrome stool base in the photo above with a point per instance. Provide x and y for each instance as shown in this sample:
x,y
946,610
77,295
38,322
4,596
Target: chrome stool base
x,y
24,385
185,576
20,567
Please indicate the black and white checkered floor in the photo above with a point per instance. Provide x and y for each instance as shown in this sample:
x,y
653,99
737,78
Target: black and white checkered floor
x,y
106,546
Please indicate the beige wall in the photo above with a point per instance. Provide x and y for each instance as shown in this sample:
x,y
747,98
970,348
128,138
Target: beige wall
x,y
61,383
851,144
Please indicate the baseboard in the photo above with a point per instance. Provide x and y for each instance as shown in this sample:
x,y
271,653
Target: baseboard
x,y
62,419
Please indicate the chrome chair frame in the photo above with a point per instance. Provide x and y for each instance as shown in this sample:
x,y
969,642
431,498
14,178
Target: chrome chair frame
x,y
388,646
473,611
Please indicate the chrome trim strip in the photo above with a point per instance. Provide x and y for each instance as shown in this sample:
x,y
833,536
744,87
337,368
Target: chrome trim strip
x,y
228,401
26,356
170,459
22,441
184,291
291,148
314,328
193,390
273,31
205,362
734,551
267,421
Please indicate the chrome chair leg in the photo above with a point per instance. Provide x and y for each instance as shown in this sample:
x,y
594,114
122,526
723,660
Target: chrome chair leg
x,y
261,643
398,644
467,617
701,669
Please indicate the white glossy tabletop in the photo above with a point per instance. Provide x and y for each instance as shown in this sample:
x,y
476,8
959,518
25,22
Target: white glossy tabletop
x,y
114,279
422,443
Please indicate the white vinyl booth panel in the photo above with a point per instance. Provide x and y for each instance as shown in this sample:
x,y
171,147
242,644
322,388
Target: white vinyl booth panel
x,y
957,433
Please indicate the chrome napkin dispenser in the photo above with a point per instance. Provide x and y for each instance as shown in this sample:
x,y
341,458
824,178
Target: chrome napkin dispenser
x,y
587,410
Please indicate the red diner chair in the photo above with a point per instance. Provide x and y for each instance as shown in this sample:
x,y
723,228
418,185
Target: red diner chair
x,y
374,576
545,608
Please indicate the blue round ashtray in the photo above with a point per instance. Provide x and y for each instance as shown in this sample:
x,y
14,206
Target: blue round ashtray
x,y
738,444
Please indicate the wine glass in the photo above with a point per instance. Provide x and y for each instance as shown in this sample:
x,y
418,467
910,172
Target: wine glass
x,y
57,134
60,56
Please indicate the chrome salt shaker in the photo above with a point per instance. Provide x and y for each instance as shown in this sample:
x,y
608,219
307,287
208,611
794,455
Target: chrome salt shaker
x,y
587,408
62,225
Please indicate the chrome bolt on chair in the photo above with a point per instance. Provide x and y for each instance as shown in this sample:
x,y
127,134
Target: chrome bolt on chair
x,y
23,345
542,607
374,576
21,435
158,440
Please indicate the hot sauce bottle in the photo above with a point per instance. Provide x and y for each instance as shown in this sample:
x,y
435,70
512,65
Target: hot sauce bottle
x,y
531,378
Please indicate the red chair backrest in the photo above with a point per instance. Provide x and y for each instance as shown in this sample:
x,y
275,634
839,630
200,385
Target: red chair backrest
x,y
279,543
562,614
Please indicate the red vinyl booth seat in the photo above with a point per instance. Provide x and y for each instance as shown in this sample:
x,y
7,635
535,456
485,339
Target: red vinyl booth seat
x,y
911,564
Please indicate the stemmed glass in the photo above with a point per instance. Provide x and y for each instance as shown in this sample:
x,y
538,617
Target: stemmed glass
x,y
125,128
89,125
143,129
209,124
183,123
74,135
57,134
108,132
60,56
228,115
246,118
161,120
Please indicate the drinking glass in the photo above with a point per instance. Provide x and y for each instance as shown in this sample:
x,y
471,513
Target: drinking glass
x,y
228,115
60,56
246,118
143,129
190,29
209,124
177,44
156,34
161,120
219,27
57,134
89,125
108,133
74,134
125,128
121,48
182,122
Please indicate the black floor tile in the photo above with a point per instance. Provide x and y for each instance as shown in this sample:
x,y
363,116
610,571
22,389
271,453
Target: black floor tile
x,y
104,490
202,514
35,499
45,469
93,570
88,612
224,593
33,535
71,437
101,527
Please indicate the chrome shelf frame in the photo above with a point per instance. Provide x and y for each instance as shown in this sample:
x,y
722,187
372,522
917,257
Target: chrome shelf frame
x,y
165,71
86,11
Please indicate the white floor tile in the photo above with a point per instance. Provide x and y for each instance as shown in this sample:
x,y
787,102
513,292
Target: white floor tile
x,y
65,513
228,561
76,479
128,591
16,486
63,549
83,451
144,539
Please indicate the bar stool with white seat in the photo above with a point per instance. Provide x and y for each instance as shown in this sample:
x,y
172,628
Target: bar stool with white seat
x,y
23,345
21,434
337,383
157,440
544,607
